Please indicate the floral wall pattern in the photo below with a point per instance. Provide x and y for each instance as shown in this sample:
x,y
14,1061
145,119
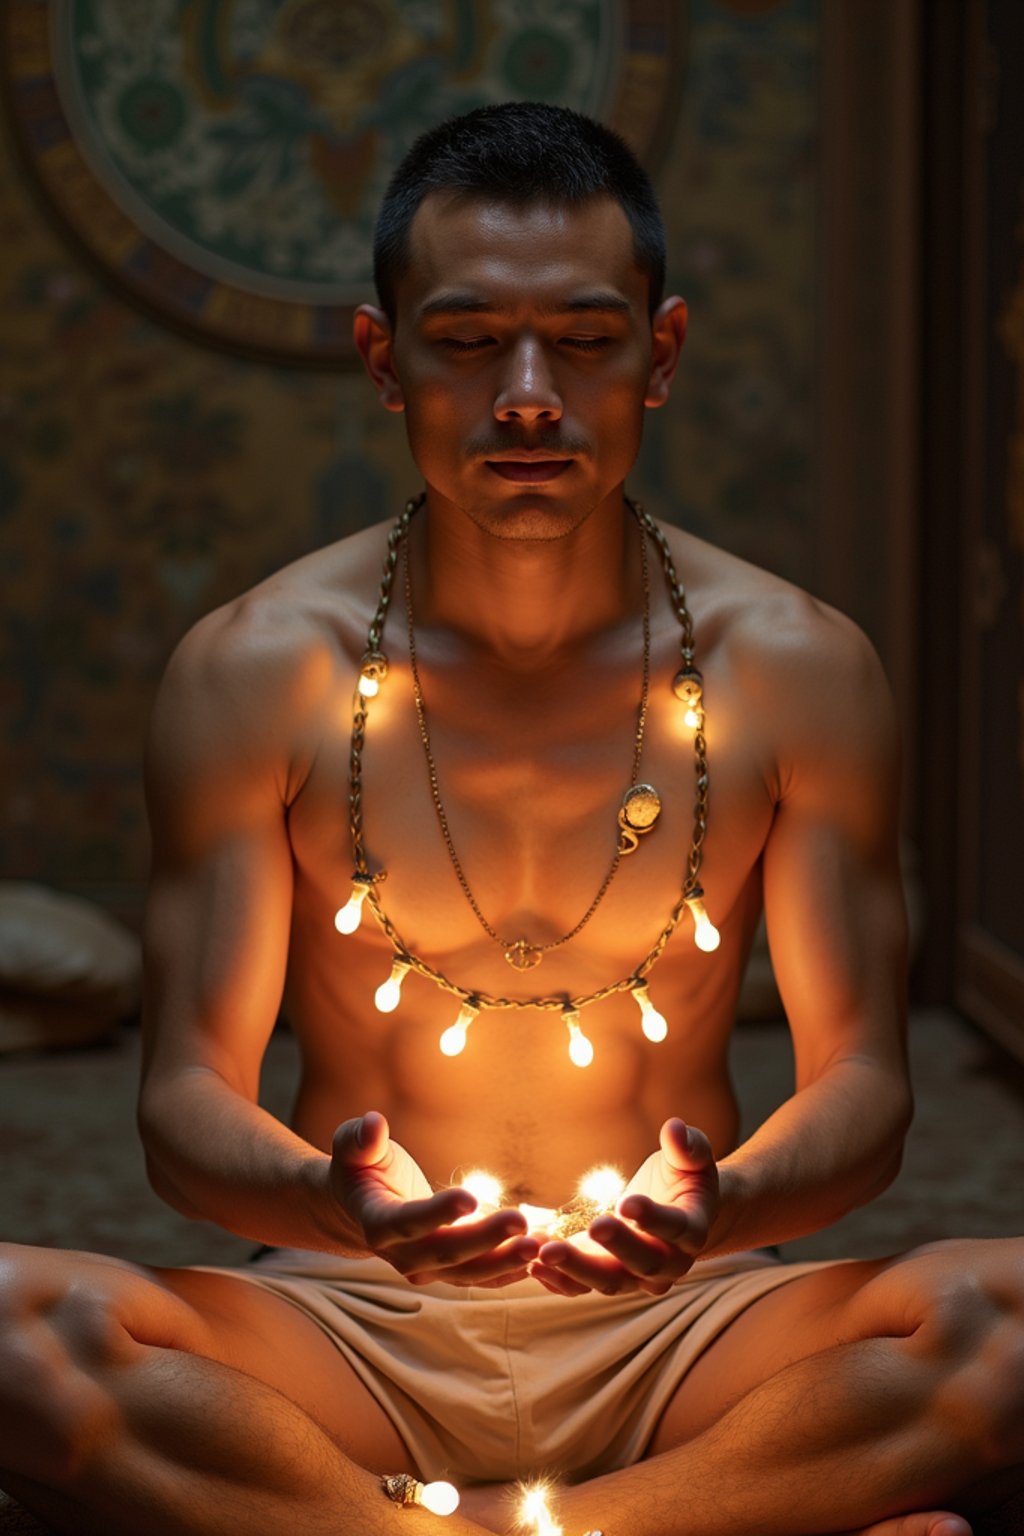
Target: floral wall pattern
x,y
146,477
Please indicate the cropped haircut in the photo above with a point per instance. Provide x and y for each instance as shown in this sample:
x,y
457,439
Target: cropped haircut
x,y
518,153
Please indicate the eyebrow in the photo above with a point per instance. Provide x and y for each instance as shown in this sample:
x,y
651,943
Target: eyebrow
x,y
598,302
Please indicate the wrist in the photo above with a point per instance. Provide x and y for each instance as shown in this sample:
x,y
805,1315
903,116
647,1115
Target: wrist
x,y
335,1228
733,1203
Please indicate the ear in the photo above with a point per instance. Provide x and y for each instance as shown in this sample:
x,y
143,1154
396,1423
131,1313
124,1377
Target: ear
x,y
668,332
371,331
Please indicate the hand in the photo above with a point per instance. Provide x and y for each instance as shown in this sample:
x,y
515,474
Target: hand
x,y
380,1188
661,1225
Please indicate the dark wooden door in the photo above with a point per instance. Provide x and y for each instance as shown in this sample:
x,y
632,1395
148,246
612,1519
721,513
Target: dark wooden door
x,y
990,906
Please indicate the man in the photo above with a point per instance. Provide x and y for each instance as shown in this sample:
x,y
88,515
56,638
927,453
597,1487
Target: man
x,y
677,1380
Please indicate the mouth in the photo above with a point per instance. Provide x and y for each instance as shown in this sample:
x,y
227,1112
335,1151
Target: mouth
x,y
529,471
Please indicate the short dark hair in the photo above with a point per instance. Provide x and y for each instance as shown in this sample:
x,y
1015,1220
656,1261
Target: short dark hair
x,y
518,152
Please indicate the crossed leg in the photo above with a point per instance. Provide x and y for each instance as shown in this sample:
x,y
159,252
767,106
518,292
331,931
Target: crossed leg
x,y
177,1401
180,1402
840,1401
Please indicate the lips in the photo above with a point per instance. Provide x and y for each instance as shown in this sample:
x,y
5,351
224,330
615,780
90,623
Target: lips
x,y
529,471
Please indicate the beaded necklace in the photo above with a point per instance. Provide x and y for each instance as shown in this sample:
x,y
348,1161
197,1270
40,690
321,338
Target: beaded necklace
x,y
688,688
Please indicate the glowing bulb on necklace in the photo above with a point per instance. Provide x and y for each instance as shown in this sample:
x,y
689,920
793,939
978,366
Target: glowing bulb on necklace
x,y
373,669
688,687
389,994
453,1041
652,1022
347,918
581,1052
705,935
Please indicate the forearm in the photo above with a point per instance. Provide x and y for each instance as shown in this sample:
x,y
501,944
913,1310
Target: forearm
x,y
834,1145
215,1156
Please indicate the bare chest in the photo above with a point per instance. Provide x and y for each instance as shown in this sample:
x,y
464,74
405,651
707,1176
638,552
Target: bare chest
x,y
498,825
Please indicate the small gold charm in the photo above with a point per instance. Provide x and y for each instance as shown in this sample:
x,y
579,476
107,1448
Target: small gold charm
x,y
640,809
523,956
400,1487
688,687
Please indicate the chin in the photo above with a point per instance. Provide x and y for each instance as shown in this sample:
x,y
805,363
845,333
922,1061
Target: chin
x,y
539,522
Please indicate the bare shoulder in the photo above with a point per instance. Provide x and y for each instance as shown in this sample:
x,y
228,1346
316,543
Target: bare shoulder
x,y
804,675
252,677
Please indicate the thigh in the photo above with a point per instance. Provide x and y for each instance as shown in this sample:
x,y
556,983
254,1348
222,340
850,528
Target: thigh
x,y
952,1282
89,1300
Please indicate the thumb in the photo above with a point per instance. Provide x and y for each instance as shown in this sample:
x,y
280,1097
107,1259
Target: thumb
x,y
683,1147
362,1142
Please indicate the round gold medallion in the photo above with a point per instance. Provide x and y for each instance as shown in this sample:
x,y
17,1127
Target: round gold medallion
x,y
641,807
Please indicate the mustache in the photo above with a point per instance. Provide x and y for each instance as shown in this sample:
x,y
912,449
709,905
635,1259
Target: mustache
x,y
561,447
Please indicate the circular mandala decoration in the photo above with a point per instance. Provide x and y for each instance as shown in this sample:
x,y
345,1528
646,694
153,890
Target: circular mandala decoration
x,y
224,159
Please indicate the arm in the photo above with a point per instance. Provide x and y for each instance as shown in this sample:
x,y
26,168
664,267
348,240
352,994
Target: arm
x,y
836,924
837,930
218,782
234,731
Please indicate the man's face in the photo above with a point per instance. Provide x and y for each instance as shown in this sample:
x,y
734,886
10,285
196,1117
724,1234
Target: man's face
x,y
522,355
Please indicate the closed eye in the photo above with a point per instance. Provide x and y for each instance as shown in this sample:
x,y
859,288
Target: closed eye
x,y
454,345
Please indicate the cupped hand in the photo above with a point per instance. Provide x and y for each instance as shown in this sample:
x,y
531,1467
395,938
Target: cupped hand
x,y
660,1226
401,1219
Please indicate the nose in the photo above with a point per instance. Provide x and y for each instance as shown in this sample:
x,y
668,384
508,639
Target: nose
x,y
528,391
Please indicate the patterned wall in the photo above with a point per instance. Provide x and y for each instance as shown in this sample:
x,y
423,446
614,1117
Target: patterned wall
x,y
146,477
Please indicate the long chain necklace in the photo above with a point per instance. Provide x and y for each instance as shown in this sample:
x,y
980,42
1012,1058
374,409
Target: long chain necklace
x,y
638,812
688,688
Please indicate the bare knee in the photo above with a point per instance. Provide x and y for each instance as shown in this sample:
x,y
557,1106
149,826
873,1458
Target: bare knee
x,y
960,1310
60,1338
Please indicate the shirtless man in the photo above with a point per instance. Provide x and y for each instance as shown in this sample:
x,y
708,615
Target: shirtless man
x,y
523,332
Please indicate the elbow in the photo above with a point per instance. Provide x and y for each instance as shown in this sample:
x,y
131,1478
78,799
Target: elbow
x,y
889,1160
169,1192
159,1179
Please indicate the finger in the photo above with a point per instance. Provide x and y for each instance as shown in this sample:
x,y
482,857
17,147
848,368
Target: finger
x,y
683,1228
641,1255
362,1142
497,1265
683,1147
598,1272
445,1246
553,1280
387,1219
934,1524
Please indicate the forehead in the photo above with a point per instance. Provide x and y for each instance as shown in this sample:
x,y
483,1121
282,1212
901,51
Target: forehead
x,y
542,252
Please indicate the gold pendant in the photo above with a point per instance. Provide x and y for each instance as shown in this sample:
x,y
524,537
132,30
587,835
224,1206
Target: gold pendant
x,y
640,809
523,956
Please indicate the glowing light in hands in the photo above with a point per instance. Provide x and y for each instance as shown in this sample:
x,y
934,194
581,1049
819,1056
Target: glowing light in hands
x,y
602,1187
539,1218
484,1187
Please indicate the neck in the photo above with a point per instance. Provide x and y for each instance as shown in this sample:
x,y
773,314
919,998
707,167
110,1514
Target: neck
x,y
525,600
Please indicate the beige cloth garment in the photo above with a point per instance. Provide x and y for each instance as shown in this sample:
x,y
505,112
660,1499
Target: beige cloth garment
x,y
495,1385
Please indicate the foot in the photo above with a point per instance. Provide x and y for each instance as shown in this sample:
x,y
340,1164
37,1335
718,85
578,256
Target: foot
x,y
934,1524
